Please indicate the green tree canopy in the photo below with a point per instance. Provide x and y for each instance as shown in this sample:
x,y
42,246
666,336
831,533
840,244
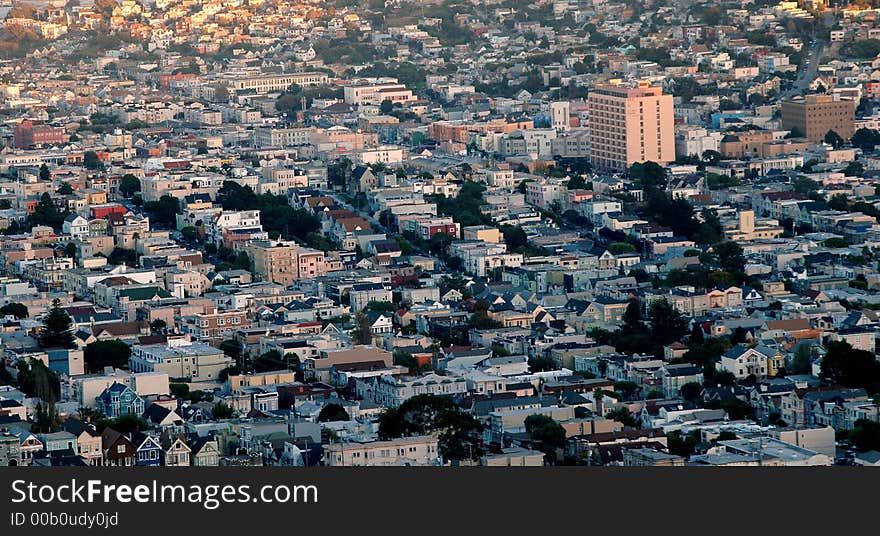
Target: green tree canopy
x,y
110,353
459,432
57,329
18,310
333,412
129,184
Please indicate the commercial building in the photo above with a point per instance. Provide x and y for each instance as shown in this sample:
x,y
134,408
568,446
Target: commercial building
x,y
276,82
28,134
814,115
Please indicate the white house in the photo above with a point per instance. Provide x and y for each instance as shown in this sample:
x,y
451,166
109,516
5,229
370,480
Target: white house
x,y
76,226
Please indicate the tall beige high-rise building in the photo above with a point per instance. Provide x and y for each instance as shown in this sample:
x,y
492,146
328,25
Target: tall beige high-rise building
x,y
630,124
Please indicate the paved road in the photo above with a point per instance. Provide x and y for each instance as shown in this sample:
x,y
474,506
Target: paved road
x,y
814,59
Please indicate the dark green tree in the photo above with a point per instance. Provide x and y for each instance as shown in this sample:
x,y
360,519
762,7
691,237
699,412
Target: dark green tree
x,y
110,353
850,367
164,211
190,233
222,411
18,310
667,323
242,261
129,184
47,213
834,139
459,432
91,161
548,432
57,329
333,412
854,169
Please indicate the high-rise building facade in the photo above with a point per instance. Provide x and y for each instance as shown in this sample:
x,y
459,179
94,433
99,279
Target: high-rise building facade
x,y
630,124
813,116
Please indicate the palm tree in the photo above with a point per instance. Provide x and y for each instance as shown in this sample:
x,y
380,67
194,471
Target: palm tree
x,y
598,395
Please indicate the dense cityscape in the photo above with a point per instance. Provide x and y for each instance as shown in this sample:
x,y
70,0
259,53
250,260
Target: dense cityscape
x,y
439,233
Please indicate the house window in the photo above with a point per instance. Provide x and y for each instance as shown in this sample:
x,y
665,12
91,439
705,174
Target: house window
x,y
120,449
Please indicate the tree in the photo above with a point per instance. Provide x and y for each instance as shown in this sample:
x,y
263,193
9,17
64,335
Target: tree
x,y
158,325
190,233
386,106
18,310
854,169
618,248
847,366
164,211
728,258
111,353
667,323
179,390
333,412
362,333
548,432
649,174
65,189
866,139
839,202
231,347
835,242
126,424
541,363
242,261
129,184
46,213
633,335
624,416
92,161
221,411
45,174
576,183
682,445
480,317
459,432
57,328
865,435
802,360
269,361
834,139
691,391
36,380
627,389
514,236
794,132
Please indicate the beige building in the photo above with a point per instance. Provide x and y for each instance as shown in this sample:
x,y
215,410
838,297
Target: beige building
x,y
260,379
417,450
180,359
318,367
514,457
483,233
285,262
630,124
815,115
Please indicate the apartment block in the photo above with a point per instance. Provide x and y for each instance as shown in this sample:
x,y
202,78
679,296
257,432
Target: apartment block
x,y
630,124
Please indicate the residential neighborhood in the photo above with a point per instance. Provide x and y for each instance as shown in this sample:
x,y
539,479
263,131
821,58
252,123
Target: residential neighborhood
x,y
444,233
